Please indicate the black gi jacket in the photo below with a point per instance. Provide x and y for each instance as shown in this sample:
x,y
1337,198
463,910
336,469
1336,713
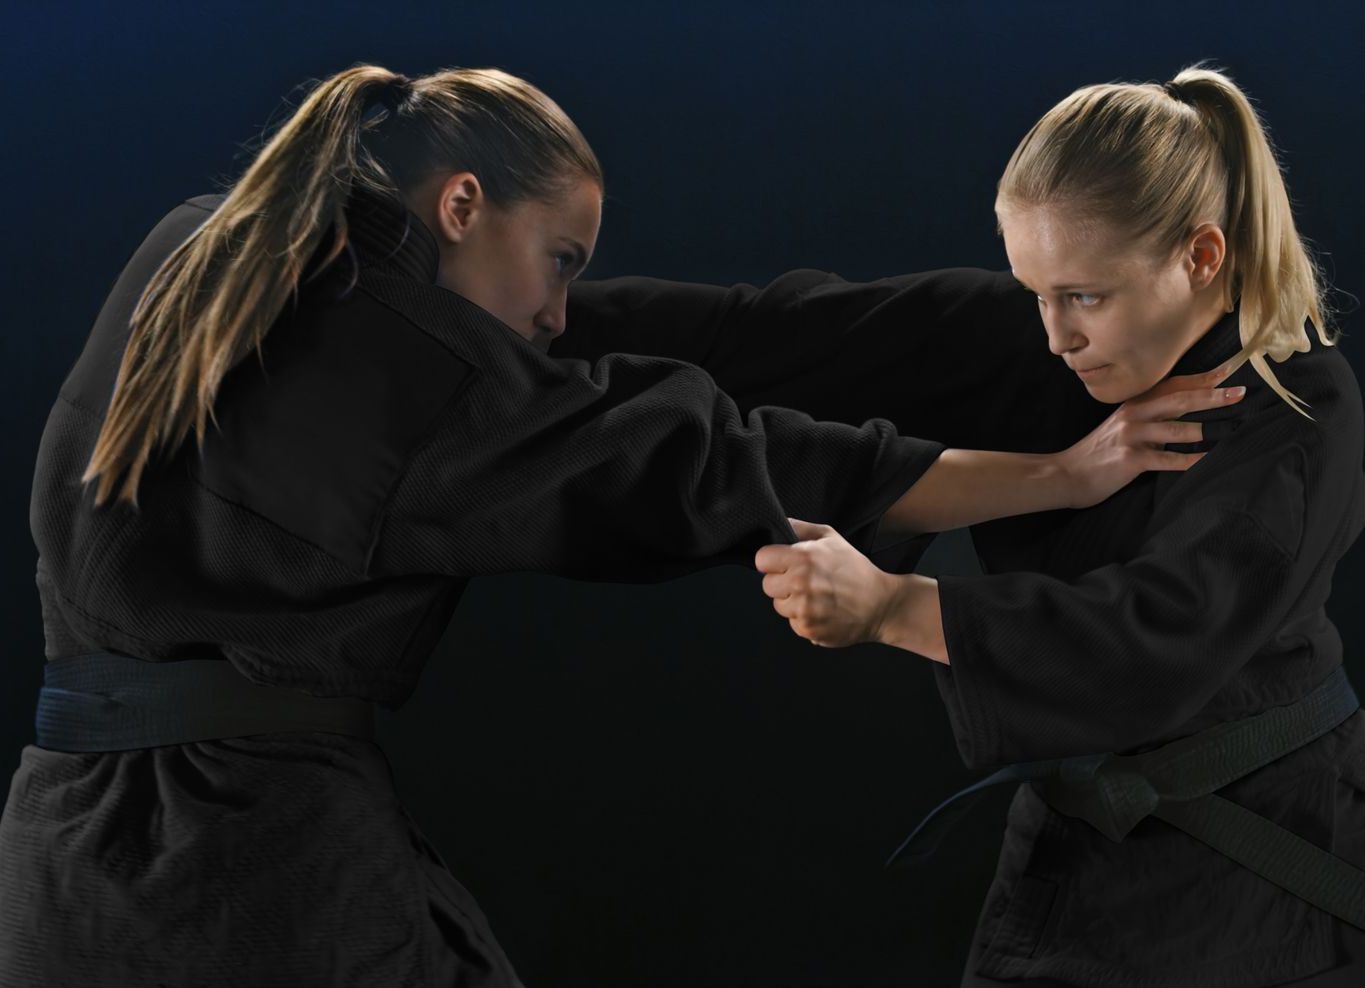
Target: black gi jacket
x,y
393,441
1181,601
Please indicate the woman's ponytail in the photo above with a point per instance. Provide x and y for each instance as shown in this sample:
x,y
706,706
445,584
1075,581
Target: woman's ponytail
x,y
216,295
1270,272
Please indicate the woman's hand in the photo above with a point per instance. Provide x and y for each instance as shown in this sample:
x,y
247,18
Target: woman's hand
x,y
831,593
1129,441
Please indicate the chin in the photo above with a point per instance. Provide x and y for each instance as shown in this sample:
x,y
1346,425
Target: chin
x,y
1111,392
1107,394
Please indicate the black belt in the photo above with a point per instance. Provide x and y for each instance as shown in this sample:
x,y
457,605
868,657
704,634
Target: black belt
x,y
1176,783
106,702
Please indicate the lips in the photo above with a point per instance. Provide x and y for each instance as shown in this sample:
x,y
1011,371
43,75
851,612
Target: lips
x,y
1087,371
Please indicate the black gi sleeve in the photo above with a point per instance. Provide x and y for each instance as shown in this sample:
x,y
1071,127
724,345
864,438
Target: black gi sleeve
x,y
959,354
708,325
1041,667
634,469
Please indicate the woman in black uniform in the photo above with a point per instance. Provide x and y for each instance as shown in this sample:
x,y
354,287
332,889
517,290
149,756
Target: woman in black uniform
x,y
204,803
1179,622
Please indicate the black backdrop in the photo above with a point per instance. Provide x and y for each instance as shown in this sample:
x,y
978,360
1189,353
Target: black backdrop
x,y
655,785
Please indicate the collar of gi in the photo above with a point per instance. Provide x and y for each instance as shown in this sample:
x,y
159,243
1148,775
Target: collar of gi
x,y
1223,340
386,234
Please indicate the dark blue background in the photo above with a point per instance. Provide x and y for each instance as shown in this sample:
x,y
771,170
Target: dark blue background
x,y
653,785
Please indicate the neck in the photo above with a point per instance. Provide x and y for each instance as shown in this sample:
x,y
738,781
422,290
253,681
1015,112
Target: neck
x,y
1209,309
1214,335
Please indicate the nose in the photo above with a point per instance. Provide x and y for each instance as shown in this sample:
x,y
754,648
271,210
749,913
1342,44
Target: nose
x,y
1061,336
552,318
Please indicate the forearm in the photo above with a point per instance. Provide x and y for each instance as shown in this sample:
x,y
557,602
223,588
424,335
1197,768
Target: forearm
x,y
646,316
913,619
954,354
968,486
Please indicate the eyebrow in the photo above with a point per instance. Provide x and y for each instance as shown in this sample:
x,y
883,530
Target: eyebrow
x,y
1059,288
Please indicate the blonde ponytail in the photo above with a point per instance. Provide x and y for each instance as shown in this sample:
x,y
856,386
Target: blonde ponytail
x,y
1272,274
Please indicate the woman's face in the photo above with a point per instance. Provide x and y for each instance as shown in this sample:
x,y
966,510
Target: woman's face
x,y
1119,317
517,262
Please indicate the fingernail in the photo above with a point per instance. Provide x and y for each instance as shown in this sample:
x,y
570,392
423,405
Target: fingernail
x,y
1236,392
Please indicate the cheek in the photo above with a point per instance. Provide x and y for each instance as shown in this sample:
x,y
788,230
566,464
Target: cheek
x,y
533,275
1169,303
1108,331
537,290
1139,330
512,292
521,286
1141,351
1159,335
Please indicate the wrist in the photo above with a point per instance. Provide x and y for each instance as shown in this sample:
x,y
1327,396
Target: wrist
x,y
1063,479
912,617
895,626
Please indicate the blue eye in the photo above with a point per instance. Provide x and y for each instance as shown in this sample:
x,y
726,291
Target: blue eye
x,y
564,260
1085,301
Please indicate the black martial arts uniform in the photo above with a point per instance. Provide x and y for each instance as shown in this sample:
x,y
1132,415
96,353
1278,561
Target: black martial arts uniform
x,y
393,441
1182,601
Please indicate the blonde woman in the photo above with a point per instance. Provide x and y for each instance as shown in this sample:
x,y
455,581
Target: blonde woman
x,y
364,317
1180,622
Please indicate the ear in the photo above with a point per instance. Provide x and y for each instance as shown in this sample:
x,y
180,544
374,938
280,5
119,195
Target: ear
x,y
459,206
1205,251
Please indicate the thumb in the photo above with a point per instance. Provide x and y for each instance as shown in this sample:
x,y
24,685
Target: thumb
x,y
806,530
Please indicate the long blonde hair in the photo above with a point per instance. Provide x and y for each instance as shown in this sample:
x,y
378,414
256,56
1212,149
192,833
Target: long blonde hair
x,y
218,293
1156,161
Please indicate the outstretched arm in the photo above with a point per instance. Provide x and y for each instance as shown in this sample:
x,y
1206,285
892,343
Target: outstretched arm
x,y
633,470
958,354
969,486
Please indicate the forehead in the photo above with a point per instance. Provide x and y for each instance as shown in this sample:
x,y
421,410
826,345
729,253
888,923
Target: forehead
x,y
576,214
1050,246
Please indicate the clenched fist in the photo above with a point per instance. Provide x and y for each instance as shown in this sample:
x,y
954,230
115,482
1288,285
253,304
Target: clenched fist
x,y
830,592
